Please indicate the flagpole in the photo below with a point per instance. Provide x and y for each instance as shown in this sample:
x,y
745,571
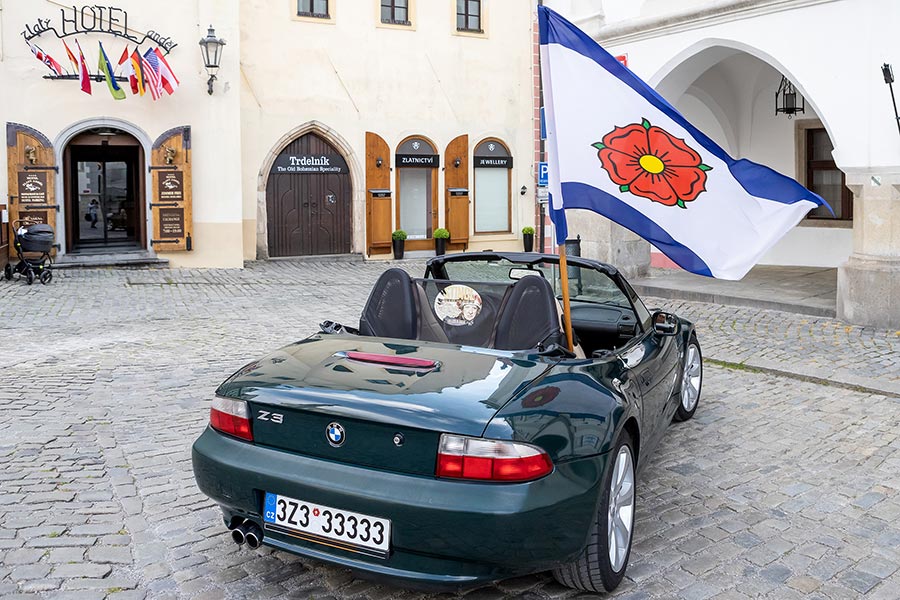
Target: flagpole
x,y
567,307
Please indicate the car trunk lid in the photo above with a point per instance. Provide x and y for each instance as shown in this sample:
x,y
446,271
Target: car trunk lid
x,y
376,402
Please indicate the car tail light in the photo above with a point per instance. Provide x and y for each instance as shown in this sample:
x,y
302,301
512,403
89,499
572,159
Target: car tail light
x,y
461,457
231,417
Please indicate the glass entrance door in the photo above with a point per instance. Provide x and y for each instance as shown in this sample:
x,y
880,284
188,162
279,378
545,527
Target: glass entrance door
x,y
103,201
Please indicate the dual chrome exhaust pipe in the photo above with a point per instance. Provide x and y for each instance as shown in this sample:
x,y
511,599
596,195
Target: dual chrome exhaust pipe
x,y
246,531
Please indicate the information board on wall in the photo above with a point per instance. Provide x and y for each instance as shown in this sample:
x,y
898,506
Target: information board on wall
x,y
33,187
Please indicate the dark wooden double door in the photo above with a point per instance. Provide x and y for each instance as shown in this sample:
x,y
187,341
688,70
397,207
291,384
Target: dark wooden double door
x,y
309,213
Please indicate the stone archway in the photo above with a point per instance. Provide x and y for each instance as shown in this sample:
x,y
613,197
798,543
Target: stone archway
x,y
80,128
727,90
357,194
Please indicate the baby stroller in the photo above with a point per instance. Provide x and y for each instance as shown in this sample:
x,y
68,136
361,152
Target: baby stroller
x,y
36,239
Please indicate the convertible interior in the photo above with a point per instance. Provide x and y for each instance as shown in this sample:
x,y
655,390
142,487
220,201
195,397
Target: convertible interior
x,y
520,313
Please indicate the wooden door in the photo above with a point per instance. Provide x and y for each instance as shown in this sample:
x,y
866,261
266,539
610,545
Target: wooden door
x,y
309,200
172,207
379,207
31,170
456,178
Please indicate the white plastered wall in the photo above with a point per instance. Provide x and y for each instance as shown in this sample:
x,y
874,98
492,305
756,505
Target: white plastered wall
x,y
59,108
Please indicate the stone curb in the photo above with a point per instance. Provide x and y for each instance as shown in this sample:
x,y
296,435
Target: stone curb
x,y
849,382
716,298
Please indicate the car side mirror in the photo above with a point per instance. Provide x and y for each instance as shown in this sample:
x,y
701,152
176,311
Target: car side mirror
x,y
665,324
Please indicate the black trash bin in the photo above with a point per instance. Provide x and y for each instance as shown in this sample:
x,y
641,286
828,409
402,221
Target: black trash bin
x,y
573,248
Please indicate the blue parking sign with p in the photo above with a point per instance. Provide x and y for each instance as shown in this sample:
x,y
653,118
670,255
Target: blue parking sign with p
x,y
542,174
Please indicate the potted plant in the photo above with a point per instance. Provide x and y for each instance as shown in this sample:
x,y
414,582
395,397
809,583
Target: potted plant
x,y
440,240
398,240
528,238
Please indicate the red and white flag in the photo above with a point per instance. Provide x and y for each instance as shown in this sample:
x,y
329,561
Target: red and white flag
x,y
169,81
46,59
84,76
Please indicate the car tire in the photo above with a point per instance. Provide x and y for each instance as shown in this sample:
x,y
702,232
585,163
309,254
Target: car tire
x,y
597,569
691,381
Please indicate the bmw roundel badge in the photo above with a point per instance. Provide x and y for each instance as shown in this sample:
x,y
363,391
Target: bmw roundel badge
x,y
335,434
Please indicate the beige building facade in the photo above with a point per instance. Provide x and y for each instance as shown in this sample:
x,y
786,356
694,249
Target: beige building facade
x,y
331,124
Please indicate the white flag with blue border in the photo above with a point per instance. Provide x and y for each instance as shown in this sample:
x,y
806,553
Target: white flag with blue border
x,y
617,148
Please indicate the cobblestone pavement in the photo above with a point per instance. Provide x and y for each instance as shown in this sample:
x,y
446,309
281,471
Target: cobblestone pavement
x,y
778,488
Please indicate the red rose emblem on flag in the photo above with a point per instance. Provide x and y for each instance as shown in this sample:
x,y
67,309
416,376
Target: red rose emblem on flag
x,y
649,162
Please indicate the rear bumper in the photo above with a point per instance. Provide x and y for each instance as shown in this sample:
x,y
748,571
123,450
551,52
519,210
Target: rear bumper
x,y
445,534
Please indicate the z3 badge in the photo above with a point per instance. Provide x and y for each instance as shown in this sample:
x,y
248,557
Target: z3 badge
x,y
265,415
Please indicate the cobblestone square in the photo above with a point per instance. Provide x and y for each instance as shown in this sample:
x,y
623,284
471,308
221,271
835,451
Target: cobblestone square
x,y
785,485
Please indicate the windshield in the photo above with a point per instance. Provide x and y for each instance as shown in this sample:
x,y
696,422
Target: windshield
x,y
585,285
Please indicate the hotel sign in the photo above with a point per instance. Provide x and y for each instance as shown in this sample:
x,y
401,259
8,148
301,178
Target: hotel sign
x,y
95,18
32,187
171,186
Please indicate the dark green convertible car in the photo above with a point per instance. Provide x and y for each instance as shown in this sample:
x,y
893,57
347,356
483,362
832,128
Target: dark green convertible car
x,y
453,439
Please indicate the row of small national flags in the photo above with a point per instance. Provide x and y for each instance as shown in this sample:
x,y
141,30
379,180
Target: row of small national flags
x,y
147,73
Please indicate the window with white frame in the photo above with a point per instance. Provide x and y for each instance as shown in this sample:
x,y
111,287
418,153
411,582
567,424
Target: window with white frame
x,y
493,173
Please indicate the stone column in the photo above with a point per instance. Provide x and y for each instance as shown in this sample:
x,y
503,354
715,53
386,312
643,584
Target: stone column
x,y
609,242
868,291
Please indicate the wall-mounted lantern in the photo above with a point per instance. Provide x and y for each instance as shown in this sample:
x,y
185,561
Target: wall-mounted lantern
x,y
786,99
211,48
888,74
524,190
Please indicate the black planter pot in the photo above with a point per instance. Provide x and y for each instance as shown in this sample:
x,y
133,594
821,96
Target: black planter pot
x,y
440,246
528,241
398,248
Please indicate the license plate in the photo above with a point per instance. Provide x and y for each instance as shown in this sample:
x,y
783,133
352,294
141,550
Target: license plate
x,y
326,525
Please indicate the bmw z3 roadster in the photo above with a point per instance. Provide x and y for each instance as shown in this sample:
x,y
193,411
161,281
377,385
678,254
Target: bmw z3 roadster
x,y
453,439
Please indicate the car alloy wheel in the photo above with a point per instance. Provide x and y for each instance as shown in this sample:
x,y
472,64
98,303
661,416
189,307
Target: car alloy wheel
x,y
602,563
620,518
691,379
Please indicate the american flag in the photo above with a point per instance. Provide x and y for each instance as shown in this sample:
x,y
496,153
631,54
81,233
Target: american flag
x,y
150,62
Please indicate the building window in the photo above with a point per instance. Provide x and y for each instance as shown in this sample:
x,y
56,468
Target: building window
x,y
312,8
468,15
417,162
824,178
395,12
493,173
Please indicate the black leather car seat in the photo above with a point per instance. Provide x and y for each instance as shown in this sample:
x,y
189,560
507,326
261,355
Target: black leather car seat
x,y
529,317
391,308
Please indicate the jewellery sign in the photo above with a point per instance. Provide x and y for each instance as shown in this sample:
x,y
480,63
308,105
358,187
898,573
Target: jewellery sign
x,y
32,187
417,160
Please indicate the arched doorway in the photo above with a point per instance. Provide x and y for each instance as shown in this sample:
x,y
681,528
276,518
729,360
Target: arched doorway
x,y
309,200
728,91
103,187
